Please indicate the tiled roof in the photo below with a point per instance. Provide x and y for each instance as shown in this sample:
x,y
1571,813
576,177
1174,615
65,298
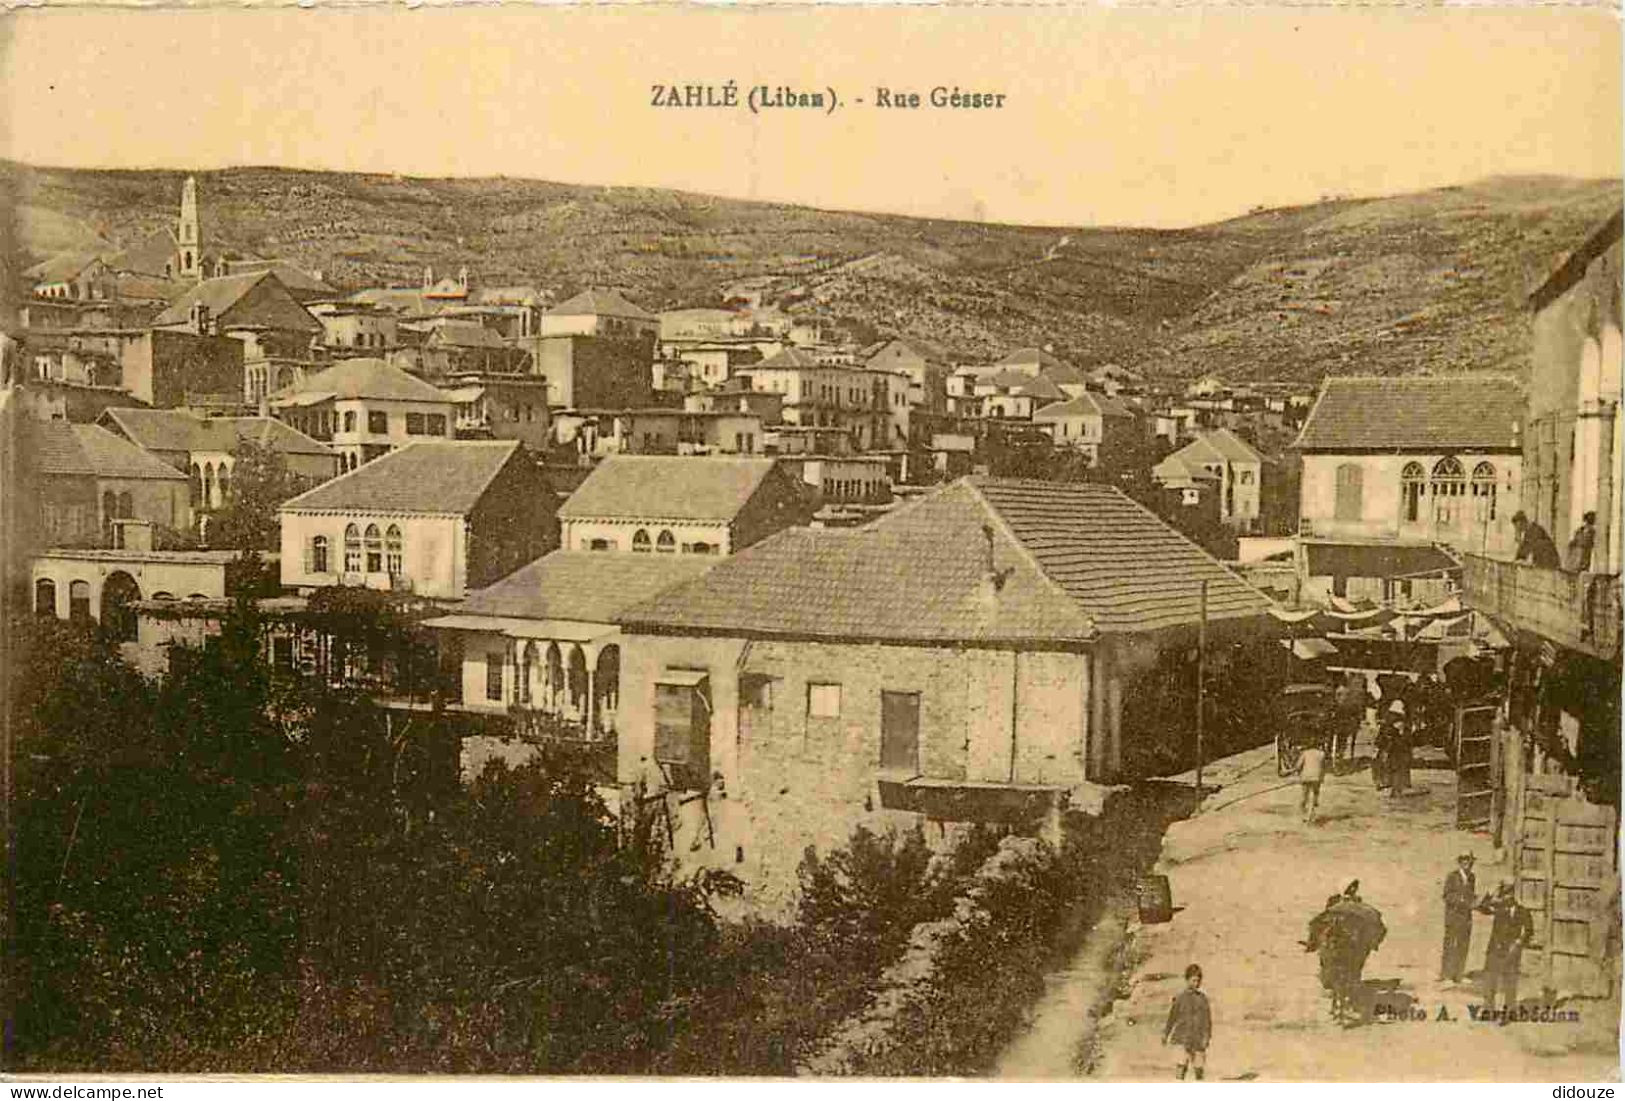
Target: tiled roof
x,y
909,344
1041,387
61,267
1446,413
294,277
1075,560
147,256
221,294
1025,357
466,334
584,585
1084,405
401,300
1231,446
1220,445
64,448
789,357
682,487
1010,379
180,430
1119,561
602,302
366,378
1179,468
432,476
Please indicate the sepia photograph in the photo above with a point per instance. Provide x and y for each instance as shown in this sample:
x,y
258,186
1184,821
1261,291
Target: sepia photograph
x,y
1005,543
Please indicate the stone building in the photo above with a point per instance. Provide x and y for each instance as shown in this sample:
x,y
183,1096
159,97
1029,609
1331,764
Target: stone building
x,y
434,519
987,653
680,505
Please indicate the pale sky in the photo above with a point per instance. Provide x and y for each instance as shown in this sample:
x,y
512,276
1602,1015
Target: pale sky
x,y
1113,116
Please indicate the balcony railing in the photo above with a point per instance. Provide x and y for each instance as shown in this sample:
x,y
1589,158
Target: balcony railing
x,y
1578,610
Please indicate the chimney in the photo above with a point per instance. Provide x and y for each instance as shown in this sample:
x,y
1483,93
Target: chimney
x,y
991,574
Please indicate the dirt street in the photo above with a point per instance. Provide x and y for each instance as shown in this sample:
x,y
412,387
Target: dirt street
x,y
1247,874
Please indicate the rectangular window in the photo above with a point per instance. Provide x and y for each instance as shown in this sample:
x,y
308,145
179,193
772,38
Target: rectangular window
x,y
349,421
900,732
414,424
823,701
493,676
378,424
318,555
435,423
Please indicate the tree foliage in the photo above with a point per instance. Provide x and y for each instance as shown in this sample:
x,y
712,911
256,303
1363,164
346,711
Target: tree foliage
x,y
260,483
235,868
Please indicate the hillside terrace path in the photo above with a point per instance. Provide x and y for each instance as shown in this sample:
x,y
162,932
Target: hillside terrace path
x,y
1246,875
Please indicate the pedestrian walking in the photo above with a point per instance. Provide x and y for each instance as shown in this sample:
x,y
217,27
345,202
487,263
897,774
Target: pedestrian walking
x,y
1460,895
1311,769
1190,1024
1512,929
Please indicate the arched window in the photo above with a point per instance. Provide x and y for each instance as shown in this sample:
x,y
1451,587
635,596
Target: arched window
x,y
225,483
209,498
527,665
1483,490
318,554
392,551
1350,499
667,543
640,542
1448,485
164,596
119,593
352,549
45,596
375,549
555,675
1411,481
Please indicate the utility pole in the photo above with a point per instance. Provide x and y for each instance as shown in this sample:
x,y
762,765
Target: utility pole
x,y
1201,670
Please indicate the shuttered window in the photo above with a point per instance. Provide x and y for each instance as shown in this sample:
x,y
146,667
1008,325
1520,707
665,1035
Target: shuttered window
x,y
1350,503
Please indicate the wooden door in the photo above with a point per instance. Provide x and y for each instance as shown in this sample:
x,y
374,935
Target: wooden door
x,y
900,733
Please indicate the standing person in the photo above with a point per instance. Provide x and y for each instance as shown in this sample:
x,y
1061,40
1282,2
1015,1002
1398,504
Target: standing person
x,y
1190,1023
1512,929
1311,769
1399,752
1581,543
1349,703
1460,895
1535,546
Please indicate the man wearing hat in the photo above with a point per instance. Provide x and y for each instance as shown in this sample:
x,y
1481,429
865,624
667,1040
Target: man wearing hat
x,y
1460,895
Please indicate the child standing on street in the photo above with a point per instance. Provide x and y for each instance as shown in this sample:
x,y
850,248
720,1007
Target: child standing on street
x,y
1311,768
1190,1023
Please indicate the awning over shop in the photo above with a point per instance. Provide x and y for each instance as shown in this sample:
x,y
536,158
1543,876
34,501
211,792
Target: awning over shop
x,y
1377,560
1310,649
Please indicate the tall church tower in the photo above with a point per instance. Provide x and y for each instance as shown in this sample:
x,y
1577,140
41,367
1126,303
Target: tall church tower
x,y
189,241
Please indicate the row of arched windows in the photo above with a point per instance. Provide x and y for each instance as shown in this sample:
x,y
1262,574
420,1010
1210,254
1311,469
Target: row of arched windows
x,y
666,543
366,551
1449,488
211,484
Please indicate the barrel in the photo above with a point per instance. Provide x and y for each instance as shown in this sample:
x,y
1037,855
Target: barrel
x,y
1156,900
